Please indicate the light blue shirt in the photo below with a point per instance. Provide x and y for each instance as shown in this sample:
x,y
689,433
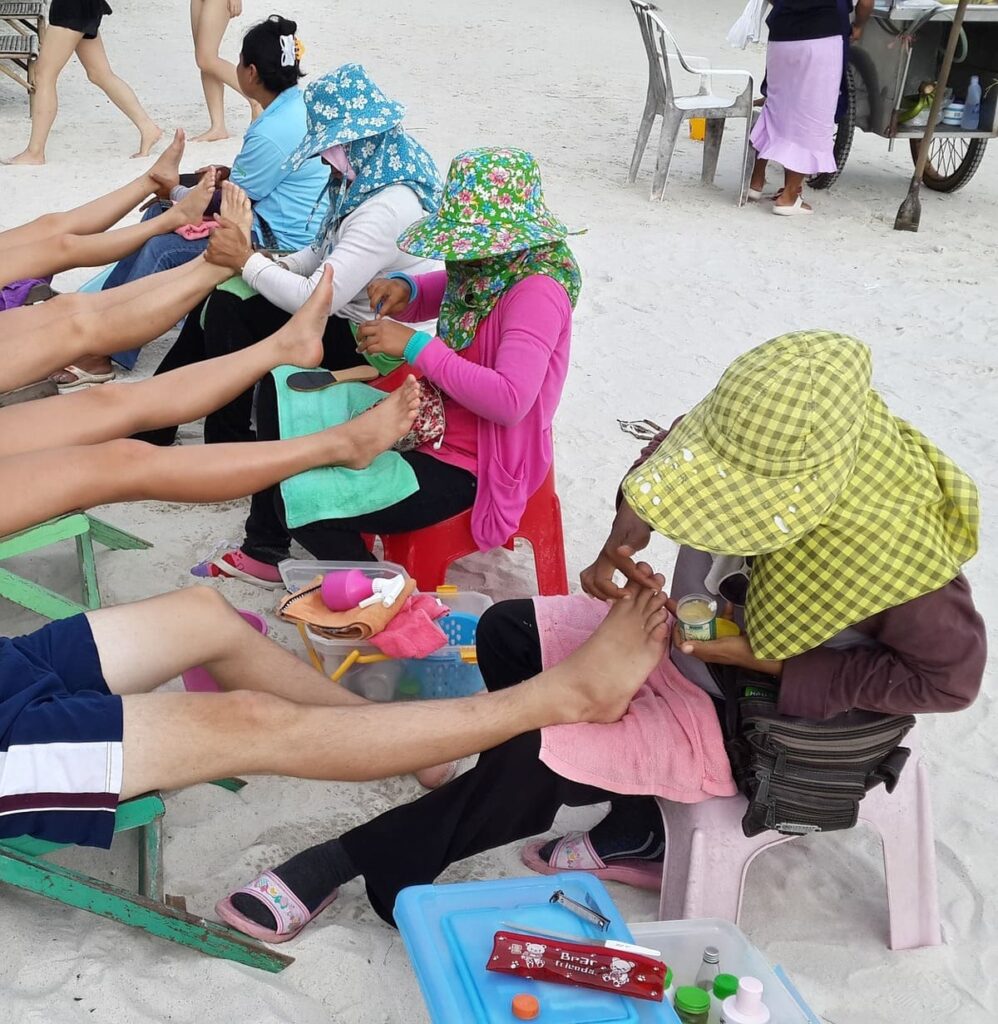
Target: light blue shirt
x,y
285,199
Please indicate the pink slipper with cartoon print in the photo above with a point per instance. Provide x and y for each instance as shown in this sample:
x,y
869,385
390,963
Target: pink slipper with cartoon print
x,y
574,852
290,914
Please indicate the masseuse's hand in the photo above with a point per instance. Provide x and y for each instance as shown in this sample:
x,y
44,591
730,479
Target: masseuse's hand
x,y
388,296
727,650
628,535
235,8
228,246
384,336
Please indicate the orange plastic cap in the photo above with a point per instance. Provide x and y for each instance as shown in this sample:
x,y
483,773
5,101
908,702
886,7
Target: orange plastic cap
x,y
526,1007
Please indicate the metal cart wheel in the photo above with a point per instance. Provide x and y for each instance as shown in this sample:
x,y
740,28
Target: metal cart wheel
x,y
952,161
843,135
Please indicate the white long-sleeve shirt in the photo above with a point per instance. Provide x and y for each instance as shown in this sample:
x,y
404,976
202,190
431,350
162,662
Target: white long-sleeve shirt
x,y
361,249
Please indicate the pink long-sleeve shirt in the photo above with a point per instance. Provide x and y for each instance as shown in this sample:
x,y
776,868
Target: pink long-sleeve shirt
x,y
502,393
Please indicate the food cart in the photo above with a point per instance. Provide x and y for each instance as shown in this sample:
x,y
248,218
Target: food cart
x,y
900,50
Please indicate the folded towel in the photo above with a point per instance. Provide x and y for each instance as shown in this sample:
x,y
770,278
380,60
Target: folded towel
x,y
306,605
413,633
195,232
332,492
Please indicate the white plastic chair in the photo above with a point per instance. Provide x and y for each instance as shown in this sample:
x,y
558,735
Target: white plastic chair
x,y
707,856
662,101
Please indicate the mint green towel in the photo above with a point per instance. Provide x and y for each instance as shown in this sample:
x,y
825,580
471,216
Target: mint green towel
x,y
382,363
235,286
332,492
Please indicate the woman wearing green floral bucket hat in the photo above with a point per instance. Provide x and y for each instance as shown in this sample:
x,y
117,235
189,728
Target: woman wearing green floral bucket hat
x,y
856,526
499,358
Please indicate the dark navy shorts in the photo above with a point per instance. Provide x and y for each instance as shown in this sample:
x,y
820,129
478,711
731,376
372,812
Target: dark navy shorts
x,y
60,737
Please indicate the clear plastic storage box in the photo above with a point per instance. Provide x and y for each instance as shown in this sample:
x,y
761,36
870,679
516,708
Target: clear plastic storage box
x,y
442,674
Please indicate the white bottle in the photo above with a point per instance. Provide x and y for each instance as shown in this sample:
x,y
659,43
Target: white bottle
x,y
971,119
746,1005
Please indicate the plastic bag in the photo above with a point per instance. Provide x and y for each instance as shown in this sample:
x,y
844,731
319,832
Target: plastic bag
x,y
748,28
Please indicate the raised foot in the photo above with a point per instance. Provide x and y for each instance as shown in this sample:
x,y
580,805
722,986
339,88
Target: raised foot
x,y
299,341
597,682
25,159
376,430
167,164
147,140
190,209
237,208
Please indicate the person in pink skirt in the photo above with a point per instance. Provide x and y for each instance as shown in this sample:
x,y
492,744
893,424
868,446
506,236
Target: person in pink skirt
x,y
808,41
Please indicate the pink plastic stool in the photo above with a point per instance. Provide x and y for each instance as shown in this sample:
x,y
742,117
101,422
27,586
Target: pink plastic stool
x,y
200,680
707,856
426,554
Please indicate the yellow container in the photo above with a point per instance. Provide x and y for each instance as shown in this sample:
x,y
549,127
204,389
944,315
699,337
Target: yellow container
x,y
698,128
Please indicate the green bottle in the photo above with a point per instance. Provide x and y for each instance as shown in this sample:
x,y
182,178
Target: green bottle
x,y
692,1004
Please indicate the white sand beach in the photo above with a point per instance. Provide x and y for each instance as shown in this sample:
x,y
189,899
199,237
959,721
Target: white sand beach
x,y
672,292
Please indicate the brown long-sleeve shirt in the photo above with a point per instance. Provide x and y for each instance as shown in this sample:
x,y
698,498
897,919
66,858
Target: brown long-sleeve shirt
x,y
928,656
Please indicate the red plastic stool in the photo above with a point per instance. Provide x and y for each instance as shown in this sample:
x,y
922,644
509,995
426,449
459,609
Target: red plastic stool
x,y
427,553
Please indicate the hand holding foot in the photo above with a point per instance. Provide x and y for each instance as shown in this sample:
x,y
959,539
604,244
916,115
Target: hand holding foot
x,y
376,430
596,682
190,209
299,341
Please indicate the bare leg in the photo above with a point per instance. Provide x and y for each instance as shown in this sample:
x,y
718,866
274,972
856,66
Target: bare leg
x,y
68,251
101,328
41,485
183,395
258,732
99,214
94,59
209,20
758,182
58,47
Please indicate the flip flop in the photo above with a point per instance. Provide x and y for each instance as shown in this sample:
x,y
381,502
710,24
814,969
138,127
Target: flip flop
x,y
574,852
290,913
84,379
216,565
797,210
319,380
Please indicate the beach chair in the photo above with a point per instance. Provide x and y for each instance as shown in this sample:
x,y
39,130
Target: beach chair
x,y
84,529
22,865
707,856
26,17
18,54
662,49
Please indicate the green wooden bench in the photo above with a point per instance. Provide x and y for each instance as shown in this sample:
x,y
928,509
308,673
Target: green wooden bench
x,y
85,529
22,865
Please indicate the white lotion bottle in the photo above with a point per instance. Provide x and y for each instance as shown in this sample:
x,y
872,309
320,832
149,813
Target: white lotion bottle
x,y
746,1005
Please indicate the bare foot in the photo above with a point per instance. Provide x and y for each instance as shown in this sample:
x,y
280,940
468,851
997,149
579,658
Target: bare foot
x,y
147,139
299,341
190,209
167,164
596,682
212,135
376,430
236,206
26,159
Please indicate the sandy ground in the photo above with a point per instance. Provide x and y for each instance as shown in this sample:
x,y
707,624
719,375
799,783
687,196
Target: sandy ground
x,y
673,292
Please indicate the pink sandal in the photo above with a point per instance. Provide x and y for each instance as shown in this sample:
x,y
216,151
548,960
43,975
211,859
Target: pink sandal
x,y
291,914
574,852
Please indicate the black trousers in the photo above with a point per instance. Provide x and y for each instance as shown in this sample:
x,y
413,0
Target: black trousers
x,y
510,794
232,324
444,491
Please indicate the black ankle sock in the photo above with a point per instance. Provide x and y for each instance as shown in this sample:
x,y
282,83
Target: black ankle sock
x,y
631,831
311,875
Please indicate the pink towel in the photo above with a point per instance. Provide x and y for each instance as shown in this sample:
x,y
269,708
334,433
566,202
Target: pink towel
x,y
669,743
413,633
195,232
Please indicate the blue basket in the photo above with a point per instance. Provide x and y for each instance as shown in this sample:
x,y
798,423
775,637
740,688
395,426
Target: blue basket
x,y
443,673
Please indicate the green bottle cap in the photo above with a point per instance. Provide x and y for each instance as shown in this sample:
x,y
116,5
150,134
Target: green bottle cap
x,y
692,999
410,687
725,985
668,976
